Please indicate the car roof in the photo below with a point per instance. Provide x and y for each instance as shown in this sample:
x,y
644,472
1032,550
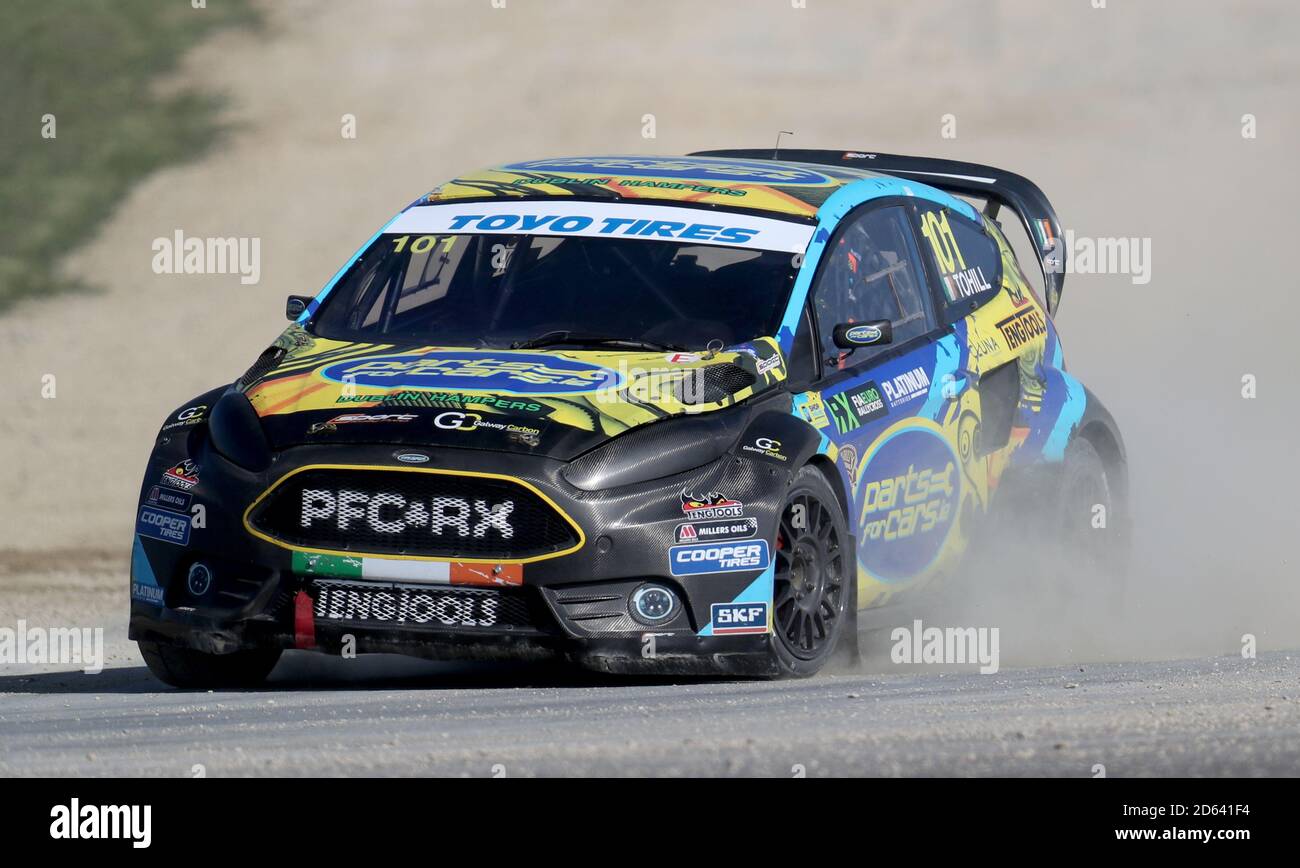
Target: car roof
x,y
773,186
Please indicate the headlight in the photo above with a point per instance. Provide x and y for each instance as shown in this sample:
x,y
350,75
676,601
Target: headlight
x,y
653,604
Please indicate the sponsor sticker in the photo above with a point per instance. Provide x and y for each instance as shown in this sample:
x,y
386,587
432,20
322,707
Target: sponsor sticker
x,y
960,280
387,512
443,400
711,505
163,525
360,418
1023,327
849,458
906,387
177,501
730,619
404,605
455,420
702,558
853,408
183,476
965,283
810,406
563,181
143,584
864,334
910,490
508,372
984,346
607,220
188,416
694,168
716,531
147,593
766,447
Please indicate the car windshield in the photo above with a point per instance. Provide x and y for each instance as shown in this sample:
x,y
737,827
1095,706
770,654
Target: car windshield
x,y
503,290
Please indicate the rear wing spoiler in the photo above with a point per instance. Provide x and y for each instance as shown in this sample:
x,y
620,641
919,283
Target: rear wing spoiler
x,y
995,186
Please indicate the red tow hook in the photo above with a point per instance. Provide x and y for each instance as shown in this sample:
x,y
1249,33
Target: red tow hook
x,y
304,622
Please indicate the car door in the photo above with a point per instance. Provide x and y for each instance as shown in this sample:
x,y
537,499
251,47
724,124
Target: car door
x,y
1000,326
893,410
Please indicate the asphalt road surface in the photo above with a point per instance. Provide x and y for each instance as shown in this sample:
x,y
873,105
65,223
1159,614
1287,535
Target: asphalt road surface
x,y
388,716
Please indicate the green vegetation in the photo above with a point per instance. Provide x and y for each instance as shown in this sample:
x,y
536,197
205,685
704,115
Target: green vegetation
x,y
93,65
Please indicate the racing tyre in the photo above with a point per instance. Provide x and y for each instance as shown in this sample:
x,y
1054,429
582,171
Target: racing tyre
x,y
185,667
1097,550
812,615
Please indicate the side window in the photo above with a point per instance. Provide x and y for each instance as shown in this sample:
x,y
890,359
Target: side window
x,y
967,261
872,272
1017,282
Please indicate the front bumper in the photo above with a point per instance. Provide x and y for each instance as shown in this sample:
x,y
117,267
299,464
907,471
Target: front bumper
x,y
572,606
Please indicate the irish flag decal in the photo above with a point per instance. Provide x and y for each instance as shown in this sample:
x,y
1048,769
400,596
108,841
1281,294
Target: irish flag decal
x,y
396,570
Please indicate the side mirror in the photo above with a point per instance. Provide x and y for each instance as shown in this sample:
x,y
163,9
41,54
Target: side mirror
x,y
296,304
850,336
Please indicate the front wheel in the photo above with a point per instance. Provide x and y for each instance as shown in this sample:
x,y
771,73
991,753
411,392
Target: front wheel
x,y
186,667
812,613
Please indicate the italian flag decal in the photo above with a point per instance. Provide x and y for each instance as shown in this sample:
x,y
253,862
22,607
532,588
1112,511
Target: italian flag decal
x,y
394,569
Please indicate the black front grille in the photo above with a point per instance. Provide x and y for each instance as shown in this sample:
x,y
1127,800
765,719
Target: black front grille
x,y
446,608
412,512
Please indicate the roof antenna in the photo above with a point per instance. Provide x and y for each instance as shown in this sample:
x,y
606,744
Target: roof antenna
x,y
776,149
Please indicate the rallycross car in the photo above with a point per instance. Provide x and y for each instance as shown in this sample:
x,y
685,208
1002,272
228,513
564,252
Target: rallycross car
x,y
689,415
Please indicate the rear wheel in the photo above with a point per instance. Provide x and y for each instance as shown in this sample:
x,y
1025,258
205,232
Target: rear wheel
x,y
1091,524
186,667
812,614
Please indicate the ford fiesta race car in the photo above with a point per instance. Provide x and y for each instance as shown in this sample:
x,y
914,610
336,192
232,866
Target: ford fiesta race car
x,y
681,415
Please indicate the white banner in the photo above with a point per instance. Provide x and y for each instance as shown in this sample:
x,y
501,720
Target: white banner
x,y
605,220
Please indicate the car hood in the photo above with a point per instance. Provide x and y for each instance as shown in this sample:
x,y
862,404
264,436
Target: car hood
x,y
557,403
